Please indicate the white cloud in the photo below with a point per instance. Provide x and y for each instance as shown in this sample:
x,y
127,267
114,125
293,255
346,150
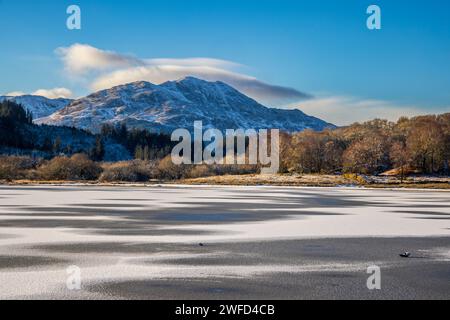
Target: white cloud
x,y
194,62
15,94
110,69
101,69
48,93
250,86
54,93
344,110
81,58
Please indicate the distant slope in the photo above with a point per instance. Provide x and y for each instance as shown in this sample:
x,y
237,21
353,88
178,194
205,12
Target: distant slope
x,y
19,136
42,138
39,106
177,104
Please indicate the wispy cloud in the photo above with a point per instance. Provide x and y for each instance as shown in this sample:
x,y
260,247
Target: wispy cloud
x,y
79,59
345,110
102,69
48,93
15,94
194,62
108,69
54,93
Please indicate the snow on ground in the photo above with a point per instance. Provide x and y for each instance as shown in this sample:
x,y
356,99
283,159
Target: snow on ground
x,y
36,220
305,212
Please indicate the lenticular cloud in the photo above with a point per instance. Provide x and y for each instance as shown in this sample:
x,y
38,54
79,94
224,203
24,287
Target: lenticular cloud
x,y
106,69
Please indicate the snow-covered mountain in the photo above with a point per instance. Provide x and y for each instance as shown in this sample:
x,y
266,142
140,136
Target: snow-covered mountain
x,y
39,106
177,104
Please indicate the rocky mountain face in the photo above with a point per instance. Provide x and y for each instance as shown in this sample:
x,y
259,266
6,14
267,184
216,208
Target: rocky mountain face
x,y
177,104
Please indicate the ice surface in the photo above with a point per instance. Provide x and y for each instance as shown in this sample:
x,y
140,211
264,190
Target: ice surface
x,y
36,220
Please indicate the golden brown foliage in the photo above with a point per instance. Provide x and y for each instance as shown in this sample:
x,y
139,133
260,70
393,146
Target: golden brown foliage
x,y
77,167
420,143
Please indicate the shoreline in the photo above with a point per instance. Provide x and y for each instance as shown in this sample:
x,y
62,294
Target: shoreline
x,y
243,181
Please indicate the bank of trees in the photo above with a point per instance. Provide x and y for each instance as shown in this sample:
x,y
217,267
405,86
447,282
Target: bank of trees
x,y
21,136
12,118
143,144
420,144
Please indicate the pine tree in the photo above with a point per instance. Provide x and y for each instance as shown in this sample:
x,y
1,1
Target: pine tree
x,y
146,153
138,154
99,149
57,145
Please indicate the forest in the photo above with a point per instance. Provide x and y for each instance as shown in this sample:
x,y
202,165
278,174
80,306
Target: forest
x,y
418,145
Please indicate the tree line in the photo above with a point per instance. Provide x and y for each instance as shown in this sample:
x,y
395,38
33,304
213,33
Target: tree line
x,y
141,143
12,117
420,144
18,131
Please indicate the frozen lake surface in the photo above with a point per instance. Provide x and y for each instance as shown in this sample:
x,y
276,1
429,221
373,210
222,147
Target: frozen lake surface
x,y
258,242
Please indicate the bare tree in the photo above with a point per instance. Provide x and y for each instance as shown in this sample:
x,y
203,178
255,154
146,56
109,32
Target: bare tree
x,y
400,157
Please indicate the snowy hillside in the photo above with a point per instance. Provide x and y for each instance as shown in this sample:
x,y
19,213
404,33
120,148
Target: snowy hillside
x,y
37,105
177,104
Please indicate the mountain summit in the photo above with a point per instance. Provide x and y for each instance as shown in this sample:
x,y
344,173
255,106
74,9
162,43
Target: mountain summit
x,y
177,104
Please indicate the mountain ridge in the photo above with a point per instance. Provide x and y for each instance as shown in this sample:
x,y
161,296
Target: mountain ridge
x,y
178,104
39,106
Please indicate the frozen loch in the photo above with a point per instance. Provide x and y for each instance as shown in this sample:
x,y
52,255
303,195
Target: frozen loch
x,y
256,242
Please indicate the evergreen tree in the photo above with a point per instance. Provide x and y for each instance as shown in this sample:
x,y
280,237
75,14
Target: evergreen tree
x,y
146,154
98,151
138,154
57,145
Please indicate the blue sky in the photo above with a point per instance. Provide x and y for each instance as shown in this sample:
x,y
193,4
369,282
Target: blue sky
x,y
321,48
